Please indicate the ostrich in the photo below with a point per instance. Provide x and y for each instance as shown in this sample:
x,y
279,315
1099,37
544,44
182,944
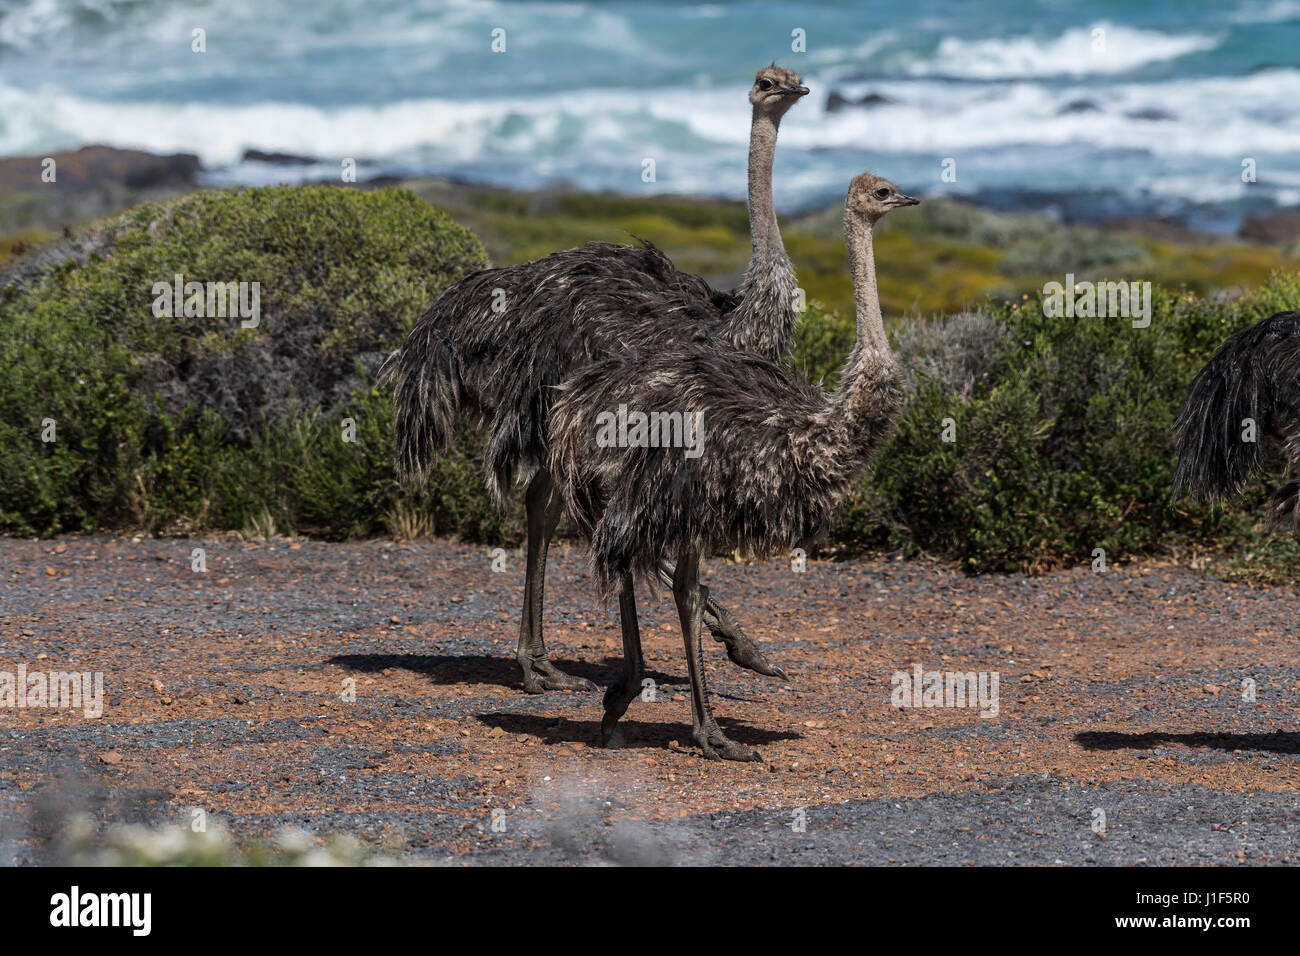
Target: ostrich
x,y
1250,389
779,455
494,344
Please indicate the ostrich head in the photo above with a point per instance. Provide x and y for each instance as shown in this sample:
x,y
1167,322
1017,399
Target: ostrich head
x,y
870,197
775,90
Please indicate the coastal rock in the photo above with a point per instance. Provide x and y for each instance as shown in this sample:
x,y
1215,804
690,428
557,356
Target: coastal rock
x,y
94,166
1078,106
278,159
837,101
1155,227
1274,229
1151,115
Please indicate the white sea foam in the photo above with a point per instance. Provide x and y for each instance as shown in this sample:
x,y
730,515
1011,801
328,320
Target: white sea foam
x,y
1213,116
1072,53
1271,11
458,129
1260,112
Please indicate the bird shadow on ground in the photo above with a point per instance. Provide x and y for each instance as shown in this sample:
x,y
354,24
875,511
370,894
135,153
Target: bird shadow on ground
x,y
485,669
636,734
1276,742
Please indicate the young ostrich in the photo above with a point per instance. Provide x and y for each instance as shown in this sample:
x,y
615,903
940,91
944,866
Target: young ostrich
x,y
779,455
496,343
1255,375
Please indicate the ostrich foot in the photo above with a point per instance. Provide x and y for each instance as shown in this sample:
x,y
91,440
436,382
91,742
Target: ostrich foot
x,y
725,628
718,746
541,676
742,651
617,699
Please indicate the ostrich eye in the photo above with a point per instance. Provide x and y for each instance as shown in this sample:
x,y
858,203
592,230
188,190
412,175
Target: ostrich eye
x,y
764,84
882,193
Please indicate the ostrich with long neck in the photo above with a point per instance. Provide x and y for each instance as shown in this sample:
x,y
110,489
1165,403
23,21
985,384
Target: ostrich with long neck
x,y
777,457
496,343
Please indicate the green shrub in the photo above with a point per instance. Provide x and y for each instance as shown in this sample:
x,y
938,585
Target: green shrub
x,y
195,422
1064,435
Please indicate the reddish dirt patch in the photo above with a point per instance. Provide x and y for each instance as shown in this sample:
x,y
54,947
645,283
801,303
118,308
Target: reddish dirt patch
x,y
226,690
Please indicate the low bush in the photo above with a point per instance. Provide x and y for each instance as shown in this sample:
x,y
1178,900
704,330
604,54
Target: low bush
x,y
1028,441
195,421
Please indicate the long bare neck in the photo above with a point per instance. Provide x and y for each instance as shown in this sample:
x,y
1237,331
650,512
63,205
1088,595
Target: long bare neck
x,y
765,319
764,233
858,235
869,395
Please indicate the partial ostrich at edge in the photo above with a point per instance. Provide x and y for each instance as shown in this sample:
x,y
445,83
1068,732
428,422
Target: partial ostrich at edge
x,y
779,456
1249,391
494,345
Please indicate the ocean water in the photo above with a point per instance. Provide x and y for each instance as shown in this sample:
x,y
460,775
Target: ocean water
x,y
1092,109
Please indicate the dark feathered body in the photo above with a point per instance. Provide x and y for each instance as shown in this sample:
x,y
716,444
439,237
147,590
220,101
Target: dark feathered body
x,y
778,455
557,313
1255,375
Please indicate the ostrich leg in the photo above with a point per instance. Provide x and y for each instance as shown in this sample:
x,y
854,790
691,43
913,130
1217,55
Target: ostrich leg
x,y
623,691
725,628
544,509
691,597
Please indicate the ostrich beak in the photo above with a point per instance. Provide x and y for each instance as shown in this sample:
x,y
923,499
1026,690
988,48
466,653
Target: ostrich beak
x,y
903,201
795,90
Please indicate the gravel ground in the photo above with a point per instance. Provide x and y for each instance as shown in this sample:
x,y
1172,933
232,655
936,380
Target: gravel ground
x,y
1120,702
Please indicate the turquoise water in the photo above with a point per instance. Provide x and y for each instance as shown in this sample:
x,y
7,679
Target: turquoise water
x,y
1156,119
